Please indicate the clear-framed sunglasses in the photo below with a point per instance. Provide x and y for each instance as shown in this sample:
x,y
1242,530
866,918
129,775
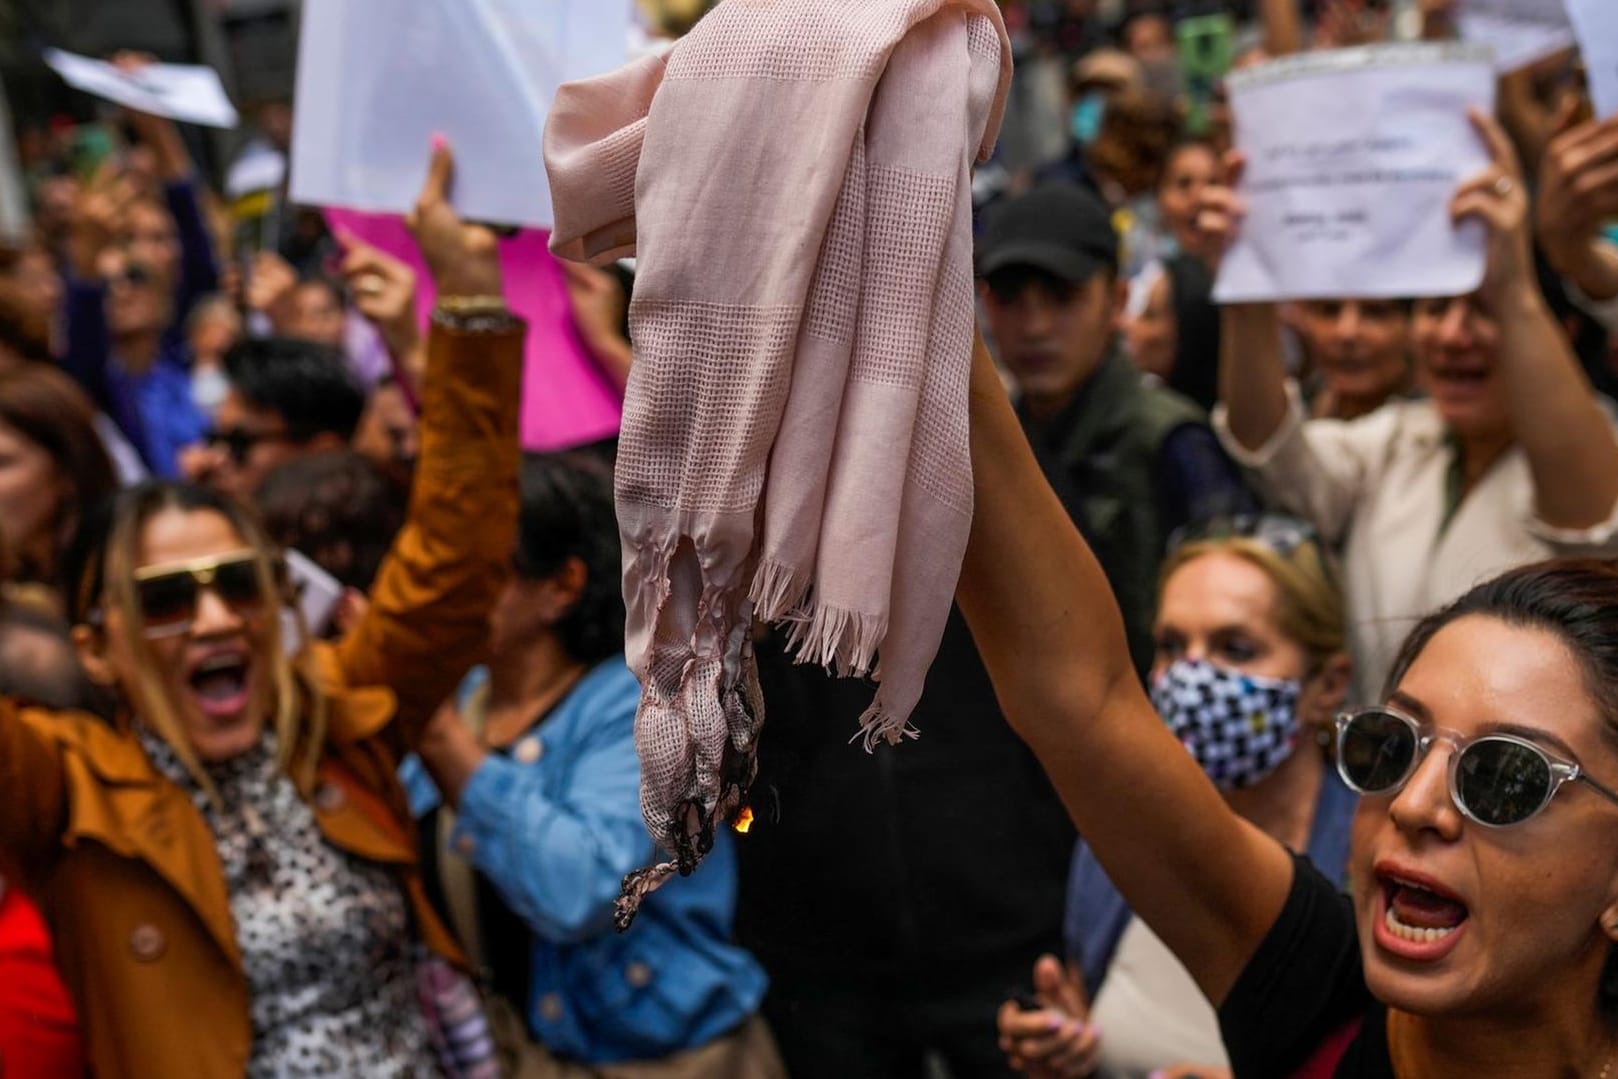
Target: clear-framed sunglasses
x,y
1496,780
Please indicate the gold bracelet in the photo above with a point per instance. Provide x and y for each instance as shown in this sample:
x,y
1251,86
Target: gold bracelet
x,y
472,305
489,320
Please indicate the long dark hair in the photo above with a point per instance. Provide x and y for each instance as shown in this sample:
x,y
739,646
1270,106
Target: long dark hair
x,y
48,409
1577,602
567,512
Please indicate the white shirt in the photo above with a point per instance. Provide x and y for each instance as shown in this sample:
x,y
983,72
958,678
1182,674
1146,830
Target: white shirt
x,y
1150,1012
1374,488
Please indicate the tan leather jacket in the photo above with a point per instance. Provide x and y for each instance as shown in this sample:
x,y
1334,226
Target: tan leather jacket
x,y
124,866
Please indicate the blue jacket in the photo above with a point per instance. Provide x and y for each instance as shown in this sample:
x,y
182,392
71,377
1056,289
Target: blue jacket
x,y
555,836
1097,914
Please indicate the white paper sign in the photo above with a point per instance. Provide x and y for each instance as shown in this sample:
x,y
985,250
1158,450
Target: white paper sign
x,y
1352,159
1597,24
1519,31
378,78
189,93
317,594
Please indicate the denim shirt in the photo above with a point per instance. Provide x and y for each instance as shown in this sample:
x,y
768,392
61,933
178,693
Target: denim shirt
x,y
554,827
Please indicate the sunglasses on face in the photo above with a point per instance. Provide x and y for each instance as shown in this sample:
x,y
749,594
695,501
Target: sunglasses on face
x,y
167,595
238,442
1496,780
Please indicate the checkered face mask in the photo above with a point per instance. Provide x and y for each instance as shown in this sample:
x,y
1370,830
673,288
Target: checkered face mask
x,y
1238,726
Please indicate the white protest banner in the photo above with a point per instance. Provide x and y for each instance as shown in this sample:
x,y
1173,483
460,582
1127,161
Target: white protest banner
x,y
190,93
378,78
1352,158
1519,31
1597,24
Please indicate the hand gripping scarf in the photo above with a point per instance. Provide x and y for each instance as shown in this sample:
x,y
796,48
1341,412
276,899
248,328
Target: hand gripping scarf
x,y
794,178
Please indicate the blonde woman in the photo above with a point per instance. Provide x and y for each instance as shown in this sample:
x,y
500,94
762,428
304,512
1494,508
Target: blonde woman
x,y
228,866
1250,670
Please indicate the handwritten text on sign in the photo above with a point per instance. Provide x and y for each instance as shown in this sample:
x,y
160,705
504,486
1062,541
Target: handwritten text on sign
x,y
1352,158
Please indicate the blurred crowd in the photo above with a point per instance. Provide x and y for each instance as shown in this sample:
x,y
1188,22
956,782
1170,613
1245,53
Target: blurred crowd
x,y
317,729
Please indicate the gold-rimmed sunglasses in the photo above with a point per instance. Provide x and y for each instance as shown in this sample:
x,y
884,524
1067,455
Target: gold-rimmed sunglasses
x,y
167,595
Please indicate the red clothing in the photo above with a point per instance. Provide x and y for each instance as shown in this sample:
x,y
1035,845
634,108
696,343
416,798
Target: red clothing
x,y
39,1033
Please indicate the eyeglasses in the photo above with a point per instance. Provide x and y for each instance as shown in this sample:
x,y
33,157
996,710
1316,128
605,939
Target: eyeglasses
x,y
167,595
1496,780
1277,531
238,442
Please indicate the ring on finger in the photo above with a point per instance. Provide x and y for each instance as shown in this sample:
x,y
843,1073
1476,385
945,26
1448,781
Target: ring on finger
x,y
369,285
1504,186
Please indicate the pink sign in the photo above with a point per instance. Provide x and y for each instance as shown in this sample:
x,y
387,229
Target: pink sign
x,y
567,400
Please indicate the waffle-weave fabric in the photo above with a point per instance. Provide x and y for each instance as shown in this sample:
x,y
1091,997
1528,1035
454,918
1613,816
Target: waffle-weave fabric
x,y
794,179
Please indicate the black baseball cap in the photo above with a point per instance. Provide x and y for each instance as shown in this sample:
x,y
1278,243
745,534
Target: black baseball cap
x,y
1062,229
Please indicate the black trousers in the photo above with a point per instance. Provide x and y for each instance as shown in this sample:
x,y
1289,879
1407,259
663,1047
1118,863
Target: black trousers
x,y
848,1033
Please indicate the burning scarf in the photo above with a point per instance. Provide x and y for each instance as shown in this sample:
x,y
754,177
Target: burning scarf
x,y
794,178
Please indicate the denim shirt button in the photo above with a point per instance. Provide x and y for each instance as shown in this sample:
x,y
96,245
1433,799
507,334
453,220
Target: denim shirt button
x,y
550,1007
529,750
638,975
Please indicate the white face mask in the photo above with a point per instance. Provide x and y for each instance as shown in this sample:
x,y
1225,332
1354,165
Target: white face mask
x,y
1239,727
208,387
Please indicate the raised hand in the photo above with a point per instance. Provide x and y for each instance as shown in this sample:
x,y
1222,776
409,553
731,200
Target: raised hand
x,y
1498,197
384,291
1578,192
270,285
157,132
598,311
463,258
97,216
1219,214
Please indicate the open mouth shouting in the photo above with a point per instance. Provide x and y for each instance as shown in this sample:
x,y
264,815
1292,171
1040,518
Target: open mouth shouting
x,y
220,681
1457,379
1417,917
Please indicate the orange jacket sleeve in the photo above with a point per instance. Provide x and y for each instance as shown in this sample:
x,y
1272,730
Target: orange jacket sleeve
x,y
33,794
428,621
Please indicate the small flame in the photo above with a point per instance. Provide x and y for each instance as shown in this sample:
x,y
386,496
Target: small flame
x,y
744,820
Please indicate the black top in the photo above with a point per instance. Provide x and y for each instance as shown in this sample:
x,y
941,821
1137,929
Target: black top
x,y
936,867
1302,989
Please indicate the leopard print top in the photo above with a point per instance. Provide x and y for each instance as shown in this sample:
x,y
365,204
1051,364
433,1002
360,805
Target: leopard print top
x,y
324,935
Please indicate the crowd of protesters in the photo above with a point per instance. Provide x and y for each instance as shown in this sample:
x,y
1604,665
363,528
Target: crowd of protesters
x,y
245,833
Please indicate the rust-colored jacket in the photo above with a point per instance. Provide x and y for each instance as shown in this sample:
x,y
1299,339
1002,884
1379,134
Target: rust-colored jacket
x,y
120,859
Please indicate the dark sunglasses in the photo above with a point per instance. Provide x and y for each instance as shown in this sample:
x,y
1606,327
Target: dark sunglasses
x,y
238,442
167,595
1277,531
1496,780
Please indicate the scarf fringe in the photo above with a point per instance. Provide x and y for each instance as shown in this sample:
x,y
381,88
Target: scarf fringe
x,y
838,639
778,590
880,725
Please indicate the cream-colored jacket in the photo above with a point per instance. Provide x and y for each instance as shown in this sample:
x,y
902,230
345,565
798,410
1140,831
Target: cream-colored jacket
x,y
1374,489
